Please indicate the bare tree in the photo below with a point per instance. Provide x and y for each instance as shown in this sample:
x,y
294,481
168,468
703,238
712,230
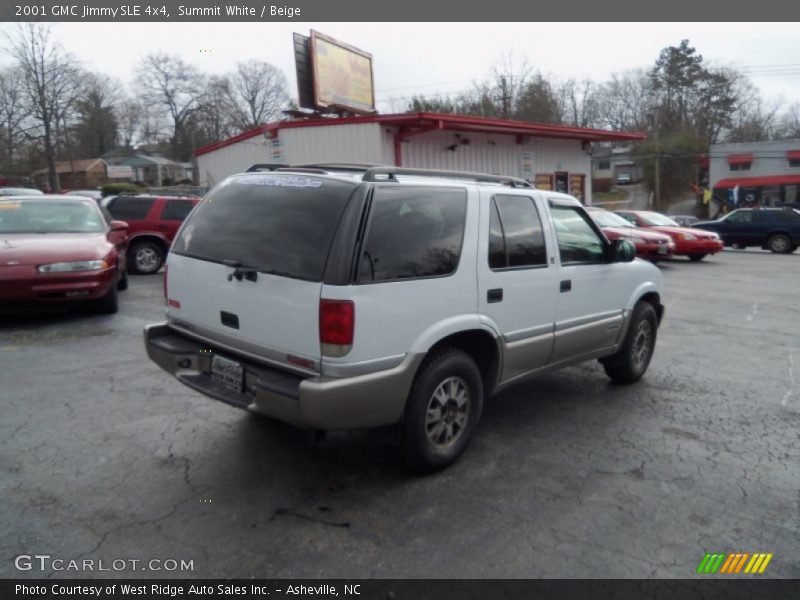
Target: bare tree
x,y
130,116
257,93
50,76
13,113
579,102
168,82
789,124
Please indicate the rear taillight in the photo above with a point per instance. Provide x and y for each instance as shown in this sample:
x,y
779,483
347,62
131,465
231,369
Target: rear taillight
x,y
165,282
337,321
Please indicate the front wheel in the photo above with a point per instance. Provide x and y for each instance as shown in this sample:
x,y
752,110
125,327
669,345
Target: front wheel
x,y
629,364
696,257
442,412
109,304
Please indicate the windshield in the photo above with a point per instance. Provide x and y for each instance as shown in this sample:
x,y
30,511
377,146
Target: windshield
x,y
608,219
275,223
44,216
654,218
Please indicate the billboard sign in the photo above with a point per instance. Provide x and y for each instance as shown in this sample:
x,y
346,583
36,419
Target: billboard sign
x,y
342,75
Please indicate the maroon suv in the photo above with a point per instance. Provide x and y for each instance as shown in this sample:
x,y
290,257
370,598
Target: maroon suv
x,y
152,222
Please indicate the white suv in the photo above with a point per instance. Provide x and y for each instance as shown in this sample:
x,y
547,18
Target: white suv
x,y
336,297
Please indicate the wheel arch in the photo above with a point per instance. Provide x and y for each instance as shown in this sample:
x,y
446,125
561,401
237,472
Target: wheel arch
x,y
482,346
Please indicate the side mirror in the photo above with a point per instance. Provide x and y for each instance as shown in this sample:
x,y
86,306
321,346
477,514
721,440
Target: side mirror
x,y
118,225
622,251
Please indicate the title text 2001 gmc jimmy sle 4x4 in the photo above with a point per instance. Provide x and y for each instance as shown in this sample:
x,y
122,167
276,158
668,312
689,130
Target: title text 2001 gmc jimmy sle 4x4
x,y
334,297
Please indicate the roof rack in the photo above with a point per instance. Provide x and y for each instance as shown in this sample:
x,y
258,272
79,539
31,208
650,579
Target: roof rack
x,y
265,167
359,167
391,173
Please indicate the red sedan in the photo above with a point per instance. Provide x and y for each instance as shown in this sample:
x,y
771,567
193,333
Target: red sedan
x,y
649,245
694,243
59,250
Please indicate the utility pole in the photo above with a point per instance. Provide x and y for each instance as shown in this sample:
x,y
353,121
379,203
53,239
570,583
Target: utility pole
x,y
658,163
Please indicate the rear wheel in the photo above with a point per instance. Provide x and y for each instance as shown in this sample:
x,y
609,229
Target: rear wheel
x,y
779,244
696,257
442,412
145,257
629,364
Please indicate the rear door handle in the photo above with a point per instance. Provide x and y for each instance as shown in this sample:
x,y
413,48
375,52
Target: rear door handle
x,y
566,285
495,295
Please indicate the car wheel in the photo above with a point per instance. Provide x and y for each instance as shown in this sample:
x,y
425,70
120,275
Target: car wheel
x,y
442,412
145,257
779,244
109,304
629,364
696,257
122,284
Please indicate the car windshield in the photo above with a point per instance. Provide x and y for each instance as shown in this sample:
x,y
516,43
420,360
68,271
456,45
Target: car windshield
x,y
43,216
608,219
654,218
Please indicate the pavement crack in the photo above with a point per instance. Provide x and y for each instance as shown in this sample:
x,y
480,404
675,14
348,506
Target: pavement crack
x,y
286,512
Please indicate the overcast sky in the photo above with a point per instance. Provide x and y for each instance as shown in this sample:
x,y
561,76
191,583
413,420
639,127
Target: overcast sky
x,y
431,58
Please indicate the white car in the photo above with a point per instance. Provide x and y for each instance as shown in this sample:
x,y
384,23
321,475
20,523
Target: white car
x,y
332,299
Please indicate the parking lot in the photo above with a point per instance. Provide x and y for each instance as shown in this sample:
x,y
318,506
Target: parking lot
x,y
104,456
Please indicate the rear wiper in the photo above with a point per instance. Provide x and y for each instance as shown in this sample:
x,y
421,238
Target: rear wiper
x,y
240,272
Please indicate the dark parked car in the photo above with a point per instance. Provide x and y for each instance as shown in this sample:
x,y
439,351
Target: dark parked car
x,y
685,220
774,229
153,222
59,250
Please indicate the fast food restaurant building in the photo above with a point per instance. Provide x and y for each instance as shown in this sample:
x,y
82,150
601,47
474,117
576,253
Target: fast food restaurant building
x,y
552,157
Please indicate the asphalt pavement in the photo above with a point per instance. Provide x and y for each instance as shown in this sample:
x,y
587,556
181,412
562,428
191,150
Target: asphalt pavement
x,y
105,457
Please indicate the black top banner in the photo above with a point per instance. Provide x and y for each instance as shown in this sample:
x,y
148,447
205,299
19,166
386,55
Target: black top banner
x,y
400,11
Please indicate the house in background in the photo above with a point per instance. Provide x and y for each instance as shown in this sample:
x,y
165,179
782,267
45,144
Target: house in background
x,y
86,173
612,165
152,171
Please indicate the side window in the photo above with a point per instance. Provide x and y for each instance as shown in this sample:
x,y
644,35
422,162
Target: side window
x,y
176,210
789,216
578,242
130,208
760,216
413,232
628,217
740,216
516,238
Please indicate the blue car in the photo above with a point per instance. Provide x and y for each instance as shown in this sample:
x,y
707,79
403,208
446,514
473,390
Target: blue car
x,y
774,229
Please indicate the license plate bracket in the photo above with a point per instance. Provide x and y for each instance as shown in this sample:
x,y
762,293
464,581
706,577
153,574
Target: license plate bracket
x,y
228,373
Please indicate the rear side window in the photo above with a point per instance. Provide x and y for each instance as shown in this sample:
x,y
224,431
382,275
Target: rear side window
x,y
789,216
176,210
130,208
281,224
516,238
413,232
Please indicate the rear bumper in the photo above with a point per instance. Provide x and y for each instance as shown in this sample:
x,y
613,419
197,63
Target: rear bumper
x,y
371,400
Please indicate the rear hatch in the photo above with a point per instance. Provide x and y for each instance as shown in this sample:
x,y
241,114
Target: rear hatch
x,y
246,269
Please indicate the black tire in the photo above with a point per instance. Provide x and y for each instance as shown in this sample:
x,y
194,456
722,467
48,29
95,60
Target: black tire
x,y
630,363
109,304
122,284
447,374
145,257
779,243
697,257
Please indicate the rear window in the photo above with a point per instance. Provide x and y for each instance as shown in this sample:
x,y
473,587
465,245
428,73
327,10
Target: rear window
x,y
414,232
130,208
280,224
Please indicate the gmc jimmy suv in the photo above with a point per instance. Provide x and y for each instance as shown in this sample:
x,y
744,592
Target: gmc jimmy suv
x,y
337,297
